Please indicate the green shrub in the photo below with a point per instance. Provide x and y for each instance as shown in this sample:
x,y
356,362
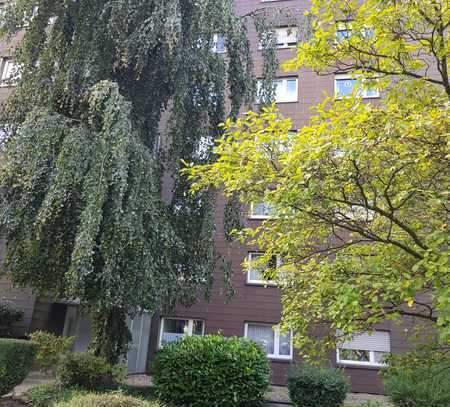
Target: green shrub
x,y
418,379
211,371
9,314
16,358
86,371
311,386
50,348
105,400
45,395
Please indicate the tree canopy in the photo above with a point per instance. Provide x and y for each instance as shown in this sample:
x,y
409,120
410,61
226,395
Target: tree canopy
x,y
360,195
102,84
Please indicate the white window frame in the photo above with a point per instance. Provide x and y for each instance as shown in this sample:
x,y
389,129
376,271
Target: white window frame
x,y
189,330
259,282
276,344
214,47
287,33
363,91
8,81
342,26
371,361
284,80
256,216
290,33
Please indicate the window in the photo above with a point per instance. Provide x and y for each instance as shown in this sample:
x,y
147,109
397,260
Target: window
x,y
343,31
275,344
261,210
173,329
255,272
344,86
9,72
365,349
286,37
286,90
219,44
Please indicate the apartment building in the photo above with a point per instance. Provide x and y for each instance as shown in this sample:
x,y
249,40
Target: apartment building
x,y
255,310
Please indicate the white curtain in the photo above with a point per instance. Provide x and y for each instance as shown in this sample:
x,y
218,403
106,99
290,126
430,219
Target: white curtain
x,y
263,335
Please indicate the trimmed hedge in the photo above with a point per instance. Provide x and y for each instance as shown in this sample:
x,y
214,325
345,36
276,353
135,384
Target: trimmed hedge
x,y
105,400
16,359
311,386
87,371
211,371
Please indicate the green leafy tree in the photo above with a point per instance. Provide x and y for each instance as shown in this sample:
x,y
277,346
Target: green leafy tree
x,y
361,193
82,208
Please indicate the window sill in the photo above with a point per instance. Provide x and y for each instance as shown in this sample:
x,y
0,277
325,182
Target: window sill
x,y
258,217
280,359
281,48
260,284
359,366
363,98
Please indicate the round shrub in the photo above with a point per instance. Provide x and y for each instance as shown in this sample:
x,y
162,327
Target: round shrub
x,y
105,400
311,386
16,358
87,371
211,371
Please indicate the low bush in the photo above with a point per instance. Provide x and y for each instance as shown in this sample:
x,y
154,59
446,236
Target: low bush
x,y
9,314
106,400
211,371
418,379
16,358
50,348
310,386
46,395
86,371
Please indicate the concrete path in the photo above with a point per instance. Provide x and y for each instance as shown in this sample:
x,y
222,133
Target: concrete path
x,y
33,379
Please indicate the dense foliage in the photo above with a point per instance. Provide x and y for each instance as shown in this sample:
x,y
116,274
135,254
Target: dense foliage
x,y
16,358
361,193
310,386
50,348
46,395
419,378
211,371
83,370
112,95
9,315
105,400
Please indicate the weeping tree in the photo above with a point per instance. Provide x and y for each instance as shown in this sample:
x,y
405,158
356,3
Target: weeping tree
x,y
83,164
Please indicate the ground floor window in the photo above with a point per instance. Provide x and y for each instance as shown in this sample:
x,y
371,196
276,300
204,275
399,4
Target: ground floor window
x,y
365,349
268,336
173,329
